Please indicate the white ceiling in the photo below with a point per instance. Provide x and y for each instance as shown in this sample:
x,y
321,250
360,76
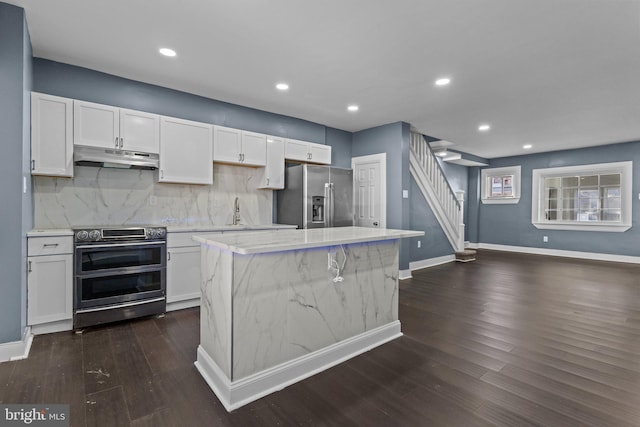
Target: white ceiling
x,y
552,73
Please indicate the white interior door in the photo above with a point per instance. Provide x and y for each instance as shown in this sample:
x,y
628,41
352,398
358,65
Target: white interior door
x,y
369,190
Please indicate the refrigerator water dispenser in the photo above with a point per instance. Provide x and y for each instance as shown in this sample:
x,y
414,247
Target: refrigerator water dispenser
x,y
317,209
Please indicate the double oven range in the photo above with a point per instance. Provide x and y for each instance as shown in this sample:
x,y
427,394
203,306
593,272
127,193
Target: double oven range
x,y
119,273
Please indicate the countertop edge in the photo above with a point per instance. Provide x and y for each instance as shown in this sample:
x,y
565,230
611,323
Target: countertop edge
x,y
293,245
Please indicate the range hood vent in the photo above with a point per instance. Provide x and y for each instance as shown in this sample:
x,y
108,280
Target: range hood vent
x,y
110,158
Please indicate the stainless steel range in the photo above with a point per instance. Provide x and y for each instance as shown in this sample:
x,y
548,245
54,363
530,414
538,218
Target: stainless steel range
x,y
120,273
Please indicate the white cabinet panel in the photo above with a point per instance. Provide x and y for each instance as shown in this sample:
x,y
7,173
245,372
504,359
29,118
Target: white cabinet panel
x,y
105,126
185,151
273,172
254,149
319,153
140,131
51,135
96,125
50,279
50,289
296,150
308,152
226,144
238,147
183,273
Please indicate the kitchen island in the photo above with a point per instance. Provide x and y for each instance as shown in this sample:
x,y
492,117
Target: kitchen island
x,y
280,306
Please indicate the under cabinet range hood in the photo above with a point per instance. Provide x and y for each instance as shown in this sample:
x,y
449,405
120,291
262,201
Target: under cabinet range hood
x,y
110,158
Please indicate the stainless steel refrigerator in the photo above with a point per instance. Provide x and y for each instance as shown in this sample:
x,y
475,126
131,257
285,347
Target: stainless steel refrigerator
x,y
316,197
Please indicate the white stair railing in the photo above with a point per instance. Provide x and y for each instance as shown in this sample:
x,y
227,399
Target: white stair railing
x,y
444,202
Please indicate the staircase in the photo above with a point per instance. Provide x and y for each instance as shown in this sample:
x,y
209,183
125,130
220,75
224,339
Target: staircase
x,y
444,202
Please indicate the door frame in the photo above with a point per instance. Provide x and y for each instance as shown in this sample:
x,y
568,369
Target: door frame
x,y
381,158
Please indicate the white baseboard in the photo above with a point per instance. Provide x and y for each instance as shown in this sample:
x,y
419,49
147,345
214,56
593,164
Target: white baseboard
x,y
234,394
17,350
181,305
431,262
404,274
471,245
562,253
51,327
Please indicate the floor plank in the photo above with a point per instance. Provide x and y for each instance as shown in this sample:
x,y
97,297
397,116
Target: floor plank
x,y
507,340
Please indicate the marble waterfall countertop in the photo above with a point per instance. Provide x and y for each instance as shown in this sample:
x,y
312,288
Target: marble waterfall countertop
x,y
286,240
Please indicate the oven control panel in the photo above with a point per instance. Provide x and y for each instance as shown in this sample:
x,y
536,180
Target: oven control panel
x,y
89,235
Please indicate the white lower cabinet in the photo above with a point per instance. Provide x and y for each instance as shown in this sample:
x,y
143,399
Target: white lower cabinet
x,y
183,276
183,270
50,284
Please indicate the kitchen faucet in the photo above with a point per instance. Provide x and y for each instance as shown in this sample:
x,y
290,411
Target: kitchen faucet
x,y
236,212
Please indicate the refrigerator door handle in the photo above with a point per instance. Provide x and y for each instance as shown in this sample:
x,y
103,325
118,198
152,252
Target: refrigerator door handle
x,y
327,212
331,204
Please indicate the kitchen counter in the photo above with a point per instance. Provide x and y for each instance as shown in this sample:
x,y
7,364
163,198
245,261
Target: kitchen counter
x,y
250,243
280,306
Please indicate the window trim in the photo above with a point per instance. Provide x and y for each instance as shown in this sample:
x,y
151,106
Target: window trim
x,y
485,188
625,169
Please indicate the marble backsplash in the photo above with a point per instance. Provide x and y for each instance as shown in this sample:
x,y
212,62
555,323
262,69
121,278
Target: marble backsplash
x,y
101,196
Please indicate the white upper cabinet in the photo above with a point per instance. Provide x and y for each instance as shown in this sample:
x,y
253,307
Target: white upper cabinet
x,y
296,150
254,148
185,151
319,153
51,135
139,131
226,144
273,172
308,152
239,147
98,125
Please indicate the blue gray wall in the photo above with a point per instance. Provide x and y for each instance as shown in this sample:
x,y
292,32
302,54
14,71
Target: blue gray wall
x,y
511,224
66,80
14,139
392,139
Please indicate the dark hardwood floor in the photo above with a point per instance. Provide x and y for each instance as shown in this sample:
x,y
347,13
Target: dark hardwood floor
x,y
509,339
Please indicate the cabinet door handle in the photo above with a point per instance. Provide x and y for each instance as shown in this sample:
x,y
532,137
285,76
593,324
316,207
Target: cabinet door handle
x,y
29,267
51,245
161,174
121,142
168,256
33,165
239,157
267,181
116,142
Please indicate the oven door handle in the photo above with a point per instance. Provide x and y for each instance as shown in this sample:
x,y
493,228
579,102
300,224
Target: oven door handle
x,y
112,306
122,245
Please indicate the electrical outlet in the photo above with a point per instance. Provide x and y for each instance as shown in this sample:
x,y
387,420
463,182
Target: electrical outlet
x,y
545,239
419,243
153,200
331,256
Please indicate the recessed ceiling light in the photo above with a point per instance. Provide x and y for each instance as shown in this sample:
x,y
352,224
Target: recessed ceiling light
x,y
167,52
282,86
353,108
443,81
484,128
527,146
